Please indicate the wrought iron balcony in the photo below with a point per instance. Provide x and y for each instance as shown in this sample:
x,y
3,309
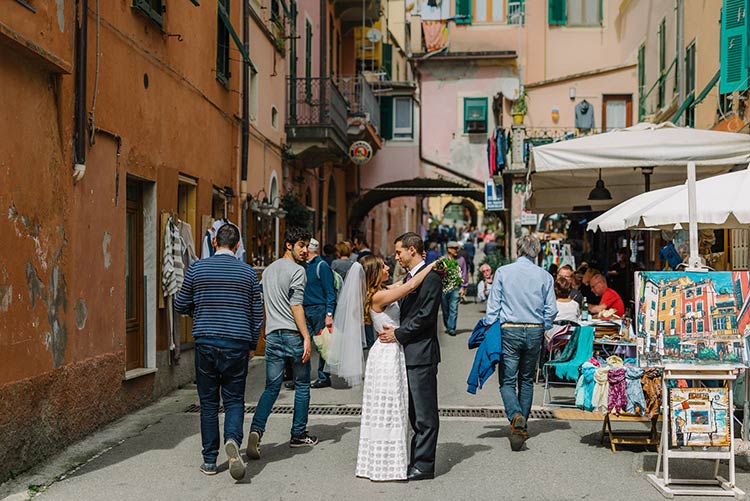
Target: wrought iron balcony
x,y
363,104
316,111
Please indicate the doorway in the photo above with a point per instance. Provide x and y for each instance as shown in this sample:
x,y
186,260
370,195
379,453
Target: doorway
x,y
134,277
617,111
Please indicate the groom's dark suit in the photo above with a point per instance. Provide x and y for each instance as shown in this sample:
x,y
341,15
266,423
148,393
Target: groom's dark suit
x,y
418,336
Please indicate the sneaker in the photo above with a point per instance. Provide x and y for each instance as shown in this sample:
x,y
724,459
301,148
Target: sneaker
x,y
253,444
236,464
304,440
208,468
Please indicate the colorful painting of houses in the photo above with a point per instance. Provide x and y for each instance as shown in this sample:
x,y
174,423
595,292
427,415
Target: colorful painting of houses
x,y
692,317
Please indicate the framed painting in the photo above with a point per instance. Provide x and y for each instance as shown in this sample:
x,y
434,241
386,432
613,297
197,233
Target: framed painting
x,y
699,417
692,318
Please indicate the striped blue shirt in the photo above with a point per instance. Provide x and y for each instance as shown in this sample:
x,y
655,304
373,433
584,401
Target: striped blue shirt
x,y
222,295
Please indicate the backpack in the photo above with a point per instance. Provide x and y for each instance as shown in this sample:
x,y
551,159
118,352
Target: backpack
x,y
338,281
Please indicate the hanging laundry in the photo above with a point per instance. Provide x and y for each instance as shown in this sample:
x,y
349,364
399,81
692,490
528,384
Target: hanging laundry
x,y
435,35
491,155
172,272
584,116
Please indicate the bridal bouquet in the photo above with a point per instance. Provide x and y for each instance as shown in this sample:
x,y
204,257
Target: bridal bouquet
x,y
450,273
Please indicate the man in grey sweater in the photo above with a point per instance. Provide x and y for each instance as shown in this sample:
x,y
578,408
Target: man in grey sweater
x,y
287,338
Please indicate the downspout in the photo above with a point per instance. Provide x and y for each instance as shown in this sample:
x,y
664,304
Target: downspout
x,y
79,106
680,58
245,94
293,64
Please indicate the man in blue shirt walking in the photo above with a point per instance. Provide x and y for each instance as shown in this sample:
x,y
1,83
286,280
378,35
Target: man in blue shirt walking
x,y
522,299
319,303
222,295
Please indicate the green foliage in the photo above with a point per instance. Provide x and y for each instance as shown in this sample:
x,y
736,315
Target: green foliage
x,y
520,106
450,272
296,213
671,342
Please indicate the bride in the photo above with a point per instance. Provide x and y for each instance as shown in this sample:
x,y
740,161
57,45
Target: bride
x,y
383,440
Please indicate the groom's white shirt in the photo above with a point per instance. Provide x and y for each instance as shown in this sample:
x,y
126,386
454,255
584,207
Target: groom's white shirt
x,y
415,270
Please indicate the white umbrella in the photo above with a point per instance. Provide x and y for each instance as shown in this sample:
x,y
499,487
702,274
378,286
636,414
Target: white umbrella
x,y
562,174
721,202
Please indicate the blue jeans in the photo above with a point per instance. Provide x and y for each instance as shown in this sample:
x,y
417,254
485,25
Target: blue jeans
x,y
284,345
315,316
220,371
450,309
521,347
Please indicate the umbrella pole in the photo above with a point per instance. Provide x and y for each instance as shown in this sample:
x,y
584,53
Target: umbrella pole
x,y
694,261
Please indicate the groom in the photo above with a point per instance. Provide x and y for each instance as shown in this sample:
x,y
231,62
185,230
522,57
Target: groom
x,y
418,336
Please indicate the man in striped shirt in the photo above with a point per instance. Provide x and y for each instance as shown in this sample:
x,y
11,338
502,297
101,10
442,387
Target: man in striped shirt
x,y
222,295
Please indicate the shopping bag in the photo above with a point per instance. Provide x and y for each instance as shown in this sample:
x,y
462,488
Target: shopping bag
x,y
323,341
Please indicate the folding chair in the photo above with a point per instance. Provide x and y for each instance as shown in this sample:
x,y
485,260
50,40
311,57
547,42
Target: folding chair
x,y
578,349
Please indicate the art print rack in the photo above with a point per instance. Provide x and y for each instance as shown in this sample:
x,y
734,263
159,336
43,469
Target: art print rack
x,y
717,485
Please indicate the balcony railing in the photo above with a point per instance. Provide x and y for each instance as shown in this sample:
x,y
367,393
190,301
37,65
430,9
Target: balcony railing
x,y
361,99
516,12
316,102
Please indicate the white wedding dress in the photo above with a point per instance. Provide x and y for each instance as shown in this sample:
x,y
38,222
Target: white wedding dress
x,y
383,440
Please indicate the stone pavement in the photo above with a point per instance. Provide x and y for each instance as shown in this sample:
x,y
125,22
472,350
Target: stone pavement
x,y
155,453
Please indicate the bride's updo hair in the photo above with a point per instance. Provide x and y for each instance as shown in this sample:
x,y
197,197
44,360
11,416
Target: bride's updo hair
x,y
373,267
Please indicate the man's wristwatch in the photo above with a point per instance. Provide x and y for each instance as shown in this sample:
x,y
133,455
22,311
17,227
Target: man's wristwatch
x,y
329,314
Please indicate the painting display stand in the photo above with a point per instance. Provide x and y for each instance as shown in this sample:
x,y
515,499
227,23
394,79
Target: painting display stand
x,y
717,486
650,437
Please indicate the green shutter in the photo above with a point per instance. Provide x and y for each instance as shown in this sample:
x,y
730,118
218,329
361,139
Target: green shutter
x,y
388,60
463,11
558,12
734,64
386,117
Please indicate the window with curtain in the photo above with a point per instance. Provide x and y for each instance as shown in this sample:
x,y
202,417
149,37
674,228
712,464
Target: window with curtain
x,y
402,118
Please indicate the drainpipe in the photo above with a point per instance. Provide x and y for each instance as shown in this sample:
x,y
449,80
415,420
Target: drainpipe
x,y
79,110
681,58
245,98
293,63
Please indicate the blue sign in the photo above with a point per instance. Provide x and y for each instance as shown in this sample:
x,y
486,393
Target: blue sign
x,y
494,198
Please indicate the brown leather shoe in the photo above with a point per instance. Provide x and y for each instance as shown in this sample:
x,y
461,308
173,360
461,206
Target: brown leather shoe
x,y
517,433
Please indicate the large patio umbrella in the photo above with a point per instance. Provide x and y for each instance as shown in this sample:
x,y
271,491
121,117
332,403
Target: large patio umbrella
x,y
562,174
722,201
660,151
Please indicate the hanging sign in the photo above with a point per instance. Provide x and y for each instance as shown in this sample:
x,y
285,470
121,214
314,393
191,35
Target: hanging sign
x,y
528,218
494,198
360,152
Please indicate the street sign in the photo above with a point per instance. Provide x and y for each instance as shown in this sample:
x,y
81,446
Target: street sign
x,y
494,198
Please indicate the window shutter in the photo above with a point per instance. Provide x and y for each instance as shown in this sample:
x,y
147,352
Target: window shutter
x,y
734,64
388,60
463,11
386,117
558,12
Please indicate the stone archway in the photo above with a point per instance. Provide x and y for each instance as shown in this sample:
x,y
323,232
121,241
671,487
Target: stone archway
x,y
466,207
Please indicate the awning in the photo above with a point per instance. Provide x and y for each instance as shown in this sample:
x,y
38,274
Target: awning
x,y
562,174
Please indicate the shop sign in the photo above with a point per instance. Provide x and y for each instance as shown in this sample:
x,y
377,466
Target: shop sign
x,y
528,218
360,152
494,198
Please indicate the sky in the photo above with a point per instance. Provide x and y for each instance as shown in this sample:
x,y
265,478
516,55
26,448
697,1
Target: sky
x,y
722,279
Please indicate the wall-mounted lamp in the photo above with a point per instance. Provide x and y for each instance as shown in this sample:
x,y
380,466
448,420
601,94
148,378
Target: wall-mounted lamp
x,y
572,93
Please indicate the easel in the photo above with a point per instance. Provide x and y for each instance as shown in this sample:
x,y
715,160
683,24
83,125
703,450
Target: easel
x,y
668,486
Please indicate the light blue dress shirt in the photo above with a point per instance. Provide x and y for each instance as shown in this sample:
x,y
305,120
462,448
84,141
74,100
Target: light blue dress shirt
x,y
522,293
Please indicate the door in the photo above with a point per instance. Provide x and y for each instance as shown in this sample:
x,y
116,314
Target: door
x,y
617,112
134,327
187,189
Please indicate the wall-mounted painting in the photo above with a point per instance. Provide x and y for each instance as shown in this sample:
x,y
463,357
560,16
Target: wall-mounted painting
x,y
699,417
692,318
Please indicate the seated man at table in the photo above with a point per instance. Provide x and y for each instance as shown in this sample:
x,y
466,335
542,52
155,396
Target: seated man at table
x,y
610,299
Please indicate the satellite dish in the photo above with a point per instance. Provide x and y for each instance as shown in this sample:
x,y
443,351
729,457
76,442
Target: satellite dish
x,y
374,35
511,88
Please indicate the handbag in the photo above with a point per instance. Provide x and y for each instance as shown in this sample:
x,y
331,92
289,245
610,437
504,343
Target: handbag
x,y
323,341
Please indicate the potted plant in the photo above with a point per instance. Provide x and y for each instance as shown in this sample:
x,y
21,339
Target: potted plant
x,y
519,109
